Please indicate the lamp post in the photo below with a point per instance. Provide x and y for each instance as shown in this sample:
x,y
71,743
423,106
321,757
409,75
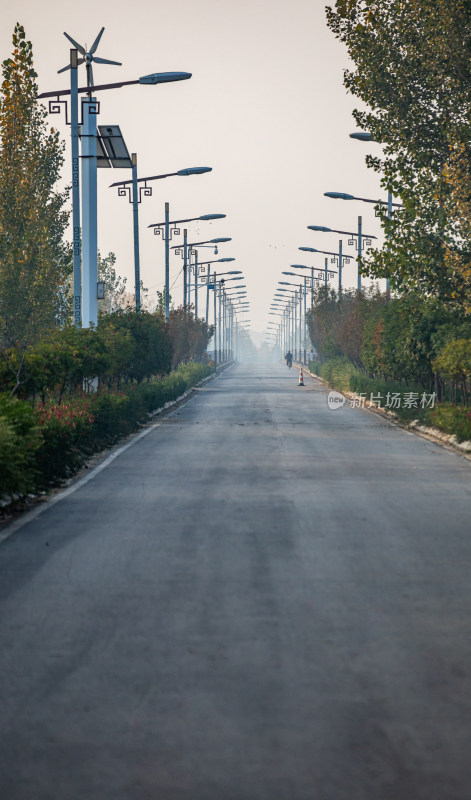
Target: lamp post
x,y
280,309
291,313
186,249
297,326
356,239
337,258
217,285
328,273
224,313
306,280
235,307
74,133
85,252
134,193
389,203
165,229
345,196
281,326
203,264
364,136
209,285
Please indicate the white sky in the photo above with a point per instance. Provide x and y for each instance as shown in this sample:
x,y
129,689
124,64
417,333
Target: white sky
x,y
265,108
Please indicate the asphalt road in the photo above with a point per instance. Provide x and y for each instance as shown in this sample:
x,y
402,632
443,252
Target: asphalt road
x,y
262,599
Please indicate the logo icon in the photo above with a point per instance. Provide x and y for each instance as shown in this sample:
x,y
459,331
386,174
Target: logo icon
x,y
335,400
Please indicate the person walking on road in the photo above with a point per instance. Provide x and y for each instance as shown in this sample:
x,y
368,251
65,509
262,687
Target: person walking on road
x,y
289,359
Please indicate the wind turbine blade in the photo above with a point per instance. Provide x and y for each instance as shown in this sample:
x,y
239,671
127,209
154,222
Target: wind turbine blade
x,y
98,60
75,44
90,76
80,61
96,42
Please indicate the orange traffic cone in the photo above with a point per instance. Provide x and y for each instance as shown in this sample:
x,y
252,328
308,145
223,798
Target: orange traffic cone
x,y
301,379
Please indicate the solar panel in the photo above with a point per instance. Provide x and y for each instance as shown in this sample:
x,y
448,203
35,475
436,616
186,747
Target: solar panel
x,y
111,148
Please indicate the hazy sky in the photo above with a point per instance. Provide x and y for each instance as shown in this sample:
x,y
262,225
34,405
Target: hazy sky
x,y
265,108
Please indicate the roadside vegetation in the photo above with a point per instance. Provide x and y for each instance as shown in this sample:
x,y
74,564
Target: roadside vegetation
x,y
411,72
67,393
79,390
409,346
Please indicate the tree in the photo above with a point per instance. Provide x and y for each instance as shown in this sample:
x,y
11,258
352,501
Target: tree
x,y
115,285
412,69
34,261
324,320
189,336
151,347
454,364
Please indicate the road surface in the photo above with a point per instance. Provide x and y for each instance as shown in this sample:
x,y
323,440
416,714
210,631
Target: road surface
x,y
261,599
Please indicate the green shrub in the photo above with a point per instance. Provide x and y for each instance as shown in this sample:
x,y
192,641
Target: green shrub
x,y
337,372
452,419
19,440
151,350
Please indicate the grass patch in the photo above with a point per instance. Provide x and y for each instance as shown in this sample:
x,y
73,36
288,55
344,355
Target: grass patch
x,y
451,419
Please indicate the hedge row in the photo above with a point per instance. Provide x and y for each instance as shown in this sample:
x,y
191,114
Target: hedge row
x,y
342,375
44,445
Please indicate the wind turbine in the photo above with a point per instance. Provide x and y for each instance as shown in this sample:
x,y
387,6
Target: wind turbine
x,y
88,57
85,280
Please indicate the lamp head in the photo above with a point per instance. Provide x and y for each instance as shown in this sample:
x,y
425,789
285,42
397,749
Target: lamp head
x,y
338,196
165,77
194,170
362,136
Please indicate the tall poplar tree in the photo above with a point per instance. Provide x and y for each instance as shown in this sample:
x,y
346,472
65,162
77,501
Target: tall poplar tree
x,y
412,69
34,262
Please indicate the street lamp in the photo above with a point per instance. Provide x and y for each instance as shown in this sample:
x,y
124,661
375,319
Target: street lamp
x,y
337,258
197,268
130,189
364,136
186,250
217,283
292,312
306,287
90,108
165,229
209,282
389,204
328,273
356,239
345,196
